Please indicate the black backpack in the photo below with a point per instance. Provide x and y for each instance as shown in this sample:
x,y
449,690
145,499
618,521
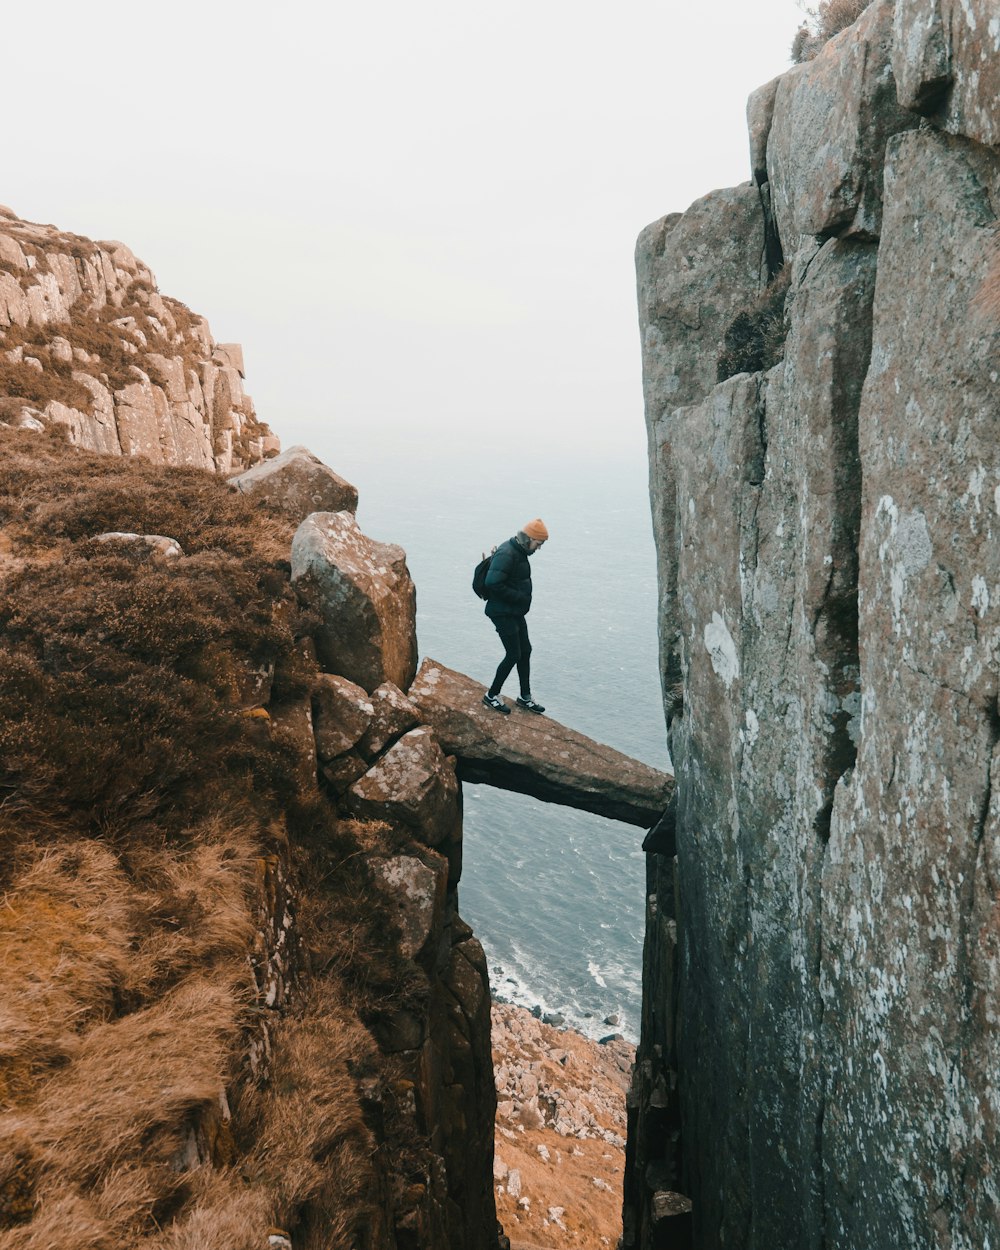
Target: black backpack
x,y
479,575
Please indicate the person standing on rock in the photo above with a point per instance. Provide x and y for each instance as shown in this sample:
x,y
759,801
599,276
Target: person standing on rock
x,y
508,590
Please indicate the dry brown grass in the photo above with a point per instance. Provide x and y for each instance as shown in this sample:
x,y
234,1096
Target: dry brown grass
x,y
135,804
64,936
823,21
134,1082
121,350
312,1144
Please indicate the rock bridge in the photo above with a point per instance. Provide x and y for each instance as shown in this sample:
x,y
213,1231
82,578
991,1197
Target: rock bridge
x,y
387,737
535,755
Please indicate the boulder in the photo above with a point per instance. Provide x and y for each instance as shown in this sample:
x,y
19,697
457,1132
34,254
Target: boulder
x,y
14,309
418,890
946,61
669,1205
344,771
341,714
168,548
364,596
413,785
393,714
11,253
832,117
299,483
535,754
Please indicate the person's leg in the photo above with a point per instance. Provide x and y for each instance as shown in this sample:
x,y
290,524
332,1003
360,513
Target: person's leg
x,y
507,628
524,663
524,671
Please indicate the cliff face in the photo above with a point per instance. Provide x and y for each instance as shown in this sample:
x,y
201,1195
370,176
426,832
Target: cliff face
x,y
819,1057
87,340
240,1005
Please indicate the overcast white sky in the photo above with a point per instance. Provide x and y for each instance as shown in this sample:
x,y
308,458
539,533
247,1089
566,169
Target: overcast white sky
x,y
415,216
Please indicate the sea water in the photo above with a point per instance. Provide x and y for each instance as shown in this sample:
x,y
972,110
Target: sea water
x,y
556,896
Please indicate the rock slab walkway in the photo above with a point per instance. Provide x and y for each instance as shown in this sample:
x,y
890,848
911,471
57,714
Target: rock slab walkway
x,y
535,755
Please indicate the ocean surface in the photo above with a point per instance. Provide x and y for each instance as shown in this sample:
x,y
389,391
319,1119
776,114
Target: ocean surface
x,y
556,896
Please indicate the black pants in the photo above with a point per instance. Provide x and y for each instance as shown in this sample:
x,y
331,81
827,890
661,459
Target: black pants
x,y
513,631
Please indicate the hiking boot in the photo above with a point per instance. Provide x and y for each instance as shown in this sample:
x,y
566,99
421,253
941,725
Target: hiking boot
x,y
530,705
496,703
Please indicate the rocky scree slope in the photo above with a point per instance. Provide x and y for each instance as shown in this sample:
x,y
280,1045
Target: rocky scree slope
x,y
87,340
559,1132
819,1056
240,1007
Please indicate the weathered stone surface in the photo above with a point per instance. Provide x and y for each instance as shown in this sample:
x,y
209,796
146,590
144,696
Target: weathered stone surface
x,y
299,483
70,282
168,548
344,771
392,715
768,499
341,714
413,784
822,955
911,973
418,890
11,253
232,355
469,1105
832,117
760,115
946,60
292,721
363,592
535,754
695,272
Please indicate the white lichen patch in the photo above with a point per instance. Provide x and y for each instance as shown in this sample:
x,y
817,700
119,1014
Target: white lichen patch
x,y
980,596
722,650
907,550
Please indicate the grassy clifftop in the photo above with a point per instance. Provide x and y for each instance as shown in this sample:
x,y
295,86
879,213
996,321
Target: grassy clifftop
x,y
159,1086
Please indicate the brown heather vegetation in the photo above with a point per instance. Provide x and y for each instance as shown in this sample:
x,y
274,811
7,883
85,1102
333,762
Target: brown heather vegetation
x,y
755,338
136,801
823,21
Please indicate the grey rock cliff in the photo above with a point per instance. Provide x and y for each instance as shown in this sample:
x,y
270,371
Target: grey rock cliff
x,y
88,341
818,1057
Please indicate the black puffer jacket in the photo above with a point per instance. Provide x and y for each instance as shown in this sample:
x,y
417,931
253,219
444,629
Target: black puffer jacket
x,y
508,583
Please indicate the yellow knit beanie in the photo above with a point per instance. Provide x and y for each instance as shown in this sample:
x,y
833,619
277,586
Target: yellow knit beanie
x,y
536,529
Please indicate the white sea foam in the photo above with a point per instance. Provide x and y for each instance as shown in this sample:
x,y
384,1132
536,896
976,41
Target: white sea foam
x,y
595,972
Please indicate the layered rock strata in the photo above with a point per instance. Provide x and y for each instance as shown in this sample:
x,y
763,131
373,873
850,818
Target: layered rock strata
x,y
87,340
818,1059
